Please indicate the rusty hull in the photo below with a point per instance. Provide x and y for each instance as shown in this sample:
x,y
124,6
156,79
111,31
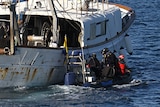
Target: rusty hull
x,y
32,67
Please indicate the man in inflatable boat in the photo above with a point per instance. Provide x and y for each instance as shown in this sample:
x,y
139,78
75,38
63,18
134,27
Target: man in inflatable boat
x,y
111,67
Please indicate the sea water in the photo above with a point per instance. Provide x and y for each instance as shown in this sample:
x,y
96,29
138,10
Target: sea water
x,y
144,63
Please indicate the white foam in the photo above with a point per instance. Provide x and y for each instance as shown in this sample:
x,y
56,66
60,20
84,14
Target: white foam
x,y
134,82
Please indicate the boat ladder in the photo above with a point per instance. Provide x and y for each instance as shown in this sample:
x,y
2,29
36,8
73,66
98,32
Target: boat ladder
x,y
75,60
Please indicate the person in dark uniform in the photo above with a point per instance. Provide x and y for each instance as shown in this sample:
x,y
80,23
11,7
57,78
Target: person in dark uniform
x,y
110,67
95,65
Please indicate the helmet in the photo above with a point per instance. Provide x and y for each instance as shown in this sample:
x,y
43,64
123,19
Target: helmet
x,y
105,50
94,55
121,56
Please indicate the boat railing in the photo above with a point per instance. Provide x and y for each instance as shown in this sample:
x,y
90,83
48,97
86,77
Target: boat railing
x,y
83,7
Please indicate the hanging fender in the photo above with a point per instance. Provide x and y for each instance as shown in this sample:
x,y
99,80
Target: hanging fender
x,y
128,44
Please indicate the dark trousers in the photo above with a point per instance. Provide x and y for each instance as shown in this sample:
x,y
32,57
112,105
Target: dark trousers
x,y
96,71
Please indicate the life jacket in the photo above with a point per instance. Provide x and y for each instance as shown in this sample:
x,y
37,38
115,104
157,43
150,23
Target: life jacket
x,y
122,67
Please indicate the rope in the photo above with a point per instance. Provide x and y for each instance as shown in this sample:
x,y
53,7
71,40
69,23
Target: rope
x,y
69,16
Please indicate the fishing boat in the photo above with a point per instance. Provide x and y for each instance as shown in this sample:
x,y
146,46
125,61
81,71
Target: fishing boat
x,y
33,34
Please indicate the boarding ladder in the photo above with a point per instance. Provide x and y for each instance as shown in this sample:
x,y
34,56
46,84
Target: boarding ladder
x,y
77,60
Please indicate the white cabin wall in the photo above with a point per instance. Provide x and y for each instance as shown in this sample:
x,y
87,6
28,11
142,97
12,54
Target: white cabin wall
x,y
114,23
86,28
113,26
110,25
118,20
88,31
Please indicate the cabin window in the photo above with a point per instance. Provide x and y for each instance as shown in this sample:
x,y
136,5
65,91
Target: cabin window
x,y
97,29
103,28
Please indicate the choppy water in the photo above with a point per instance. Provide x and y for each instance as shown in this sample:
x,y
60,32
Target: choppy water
x,y
145,64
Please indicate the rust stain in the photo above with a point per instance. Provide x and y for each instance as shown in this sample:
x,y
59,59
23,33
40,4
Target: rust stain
x,y
34,73
14,73
17,73
50,74
27,74
21,72
4,73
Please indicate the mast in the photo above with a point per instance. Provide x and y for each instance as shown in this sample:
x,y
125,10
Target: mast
x,y
55,22
12,11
